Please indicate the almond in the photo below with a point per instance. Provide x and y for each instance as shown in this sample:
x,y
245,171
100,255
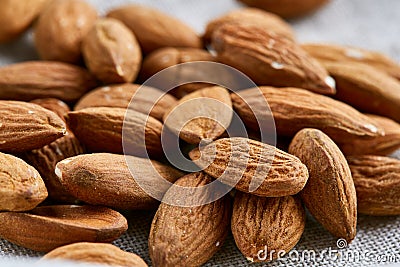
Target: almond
x,y
22,188
26,126
155,29
189,236
48,227
53,104
244,163
111,52
106,179
42,79
262,227
60,29
377,181
269,59
104,254
329,194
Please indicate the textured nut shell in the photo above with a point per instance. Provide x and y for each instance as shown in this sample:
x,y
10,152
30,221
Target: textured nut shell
x,y
61,28
189,236
27,126
198,129
120,96
269,59
155,29
294,109
377,181
53,104
273,223
48,227
100,129
111,52
105,179
282,173
42,79
21,187
104,254
329,194
18,16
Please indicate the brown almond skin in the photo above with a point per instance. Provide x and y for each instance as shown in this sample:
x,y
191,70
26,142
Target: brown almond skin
x,y
154,29
329,194
27,126
18,16
111,52
48,227
120,96
189,236
282,174
105,179
21,188
60,29
43,79
366,88
100,129
104,254
198,129
269,59
53,104
294,109
273,223
377,181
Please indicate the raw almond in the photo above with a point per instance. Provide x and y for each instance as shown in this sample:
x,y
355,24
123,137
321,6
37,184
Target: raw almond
x,y
366,88
121,95
264,226
243,163
208,123
104,254
377,181
100,129
42,79
106,179
53,104
48,227
27,126
155,29
60,29
329,194
294,109
111,52
269,59
189,236
22,188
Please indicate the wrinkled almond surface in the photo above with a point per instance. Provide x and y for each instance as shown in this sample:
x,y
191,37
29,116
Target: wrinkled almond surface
x,y
53,104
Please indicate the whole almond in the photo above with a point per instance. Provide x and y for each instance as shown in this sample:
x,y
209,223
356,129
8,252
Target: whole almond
x,y
121,95
155,29
43,79
60,29
189,236
48,227
277,173
366,88
377,181
53,104
207,123
269,59
263,226
337,53
294,109
27,126
22,188
329,194
111,52
17,16
101,129
105,179
104,254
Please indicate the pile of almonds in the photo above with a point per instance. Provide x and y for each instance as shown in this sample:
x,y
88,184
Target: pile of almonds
x,y
64,175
